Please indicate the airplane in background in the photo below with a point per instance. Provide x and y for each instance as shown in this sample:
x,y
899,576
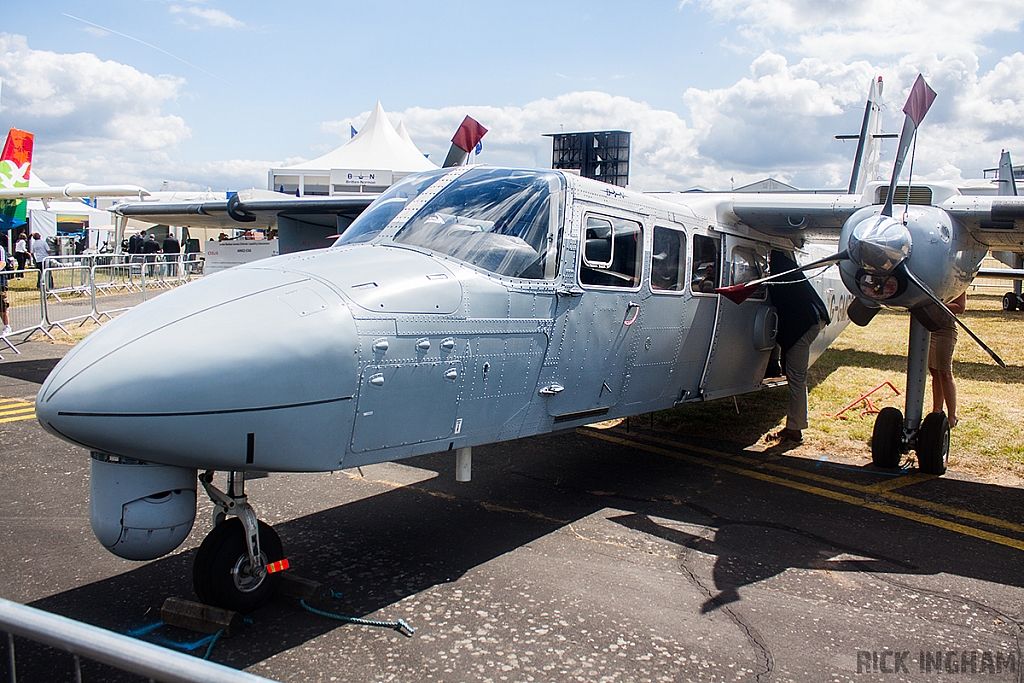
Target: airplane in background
x,y
15,190
470,305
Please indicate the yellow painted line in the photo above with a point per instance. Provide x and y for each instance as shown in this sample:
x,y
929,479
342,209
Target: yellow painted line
x,y
882,489
817,491
900,482
13,410
28,409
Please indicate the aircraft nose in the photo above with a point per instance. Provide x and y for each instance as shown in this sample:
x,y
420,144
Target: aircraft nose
x,y
879,243
200,374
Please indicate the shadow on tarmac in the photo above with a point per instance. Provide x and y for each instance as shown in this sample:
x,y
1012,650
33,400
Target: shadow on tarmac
x,y
381,549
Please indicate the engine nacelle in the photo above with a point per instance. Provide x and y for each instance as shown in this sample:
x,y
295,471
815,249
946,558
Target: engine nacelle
x,y
140,510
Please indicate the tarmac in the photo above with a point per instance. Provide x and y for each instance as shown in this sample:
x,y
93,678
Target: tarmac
x,y
591,555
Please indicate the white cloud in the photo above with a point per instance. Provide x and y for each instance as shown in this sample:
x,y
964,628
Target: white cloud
x,y
844,29
212,17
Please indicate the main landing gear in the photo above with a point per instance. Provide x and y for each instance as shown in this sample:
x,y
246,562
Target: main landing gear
x,y
888,443
235,567
895,434
1013,301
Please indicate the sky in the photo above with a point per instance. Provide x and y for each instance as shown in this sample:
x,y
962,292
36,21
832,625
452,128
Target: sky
x,y
717,93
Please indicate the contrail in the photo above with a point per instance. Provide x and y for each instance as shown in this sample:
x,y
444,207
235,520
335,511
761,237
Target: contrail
x,y
125,35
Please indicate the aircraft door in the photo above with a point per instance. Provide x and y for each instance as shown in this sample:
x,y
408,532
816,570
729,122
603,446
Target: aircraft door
x,y
596,349
745,332
654,380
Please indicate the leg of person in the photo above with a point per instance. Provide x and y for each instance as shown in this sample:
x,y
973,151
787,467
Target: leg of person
x,y
797,359
949,394
5,317
936,390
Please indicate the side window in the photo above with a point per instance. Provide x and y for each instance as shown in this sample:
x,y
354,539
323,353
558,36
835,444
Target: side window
x,y
748,265
612,252
706,266
668,261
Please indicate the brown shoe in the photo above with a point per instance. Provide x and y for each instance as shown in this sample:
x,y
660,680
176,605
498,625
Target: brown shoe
x,y
786,436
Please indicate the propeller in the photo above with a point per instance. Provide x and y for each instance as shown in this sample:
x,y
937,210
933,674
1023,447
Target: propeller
x,y
879,244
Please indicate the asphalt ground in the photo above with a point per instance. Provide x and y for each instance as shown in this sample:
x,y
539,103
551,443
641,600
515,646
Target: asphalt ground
x,y
593,555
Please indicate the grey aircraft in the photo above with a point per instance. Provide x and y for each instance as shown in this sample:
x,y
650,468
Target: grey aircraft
x,y
471,305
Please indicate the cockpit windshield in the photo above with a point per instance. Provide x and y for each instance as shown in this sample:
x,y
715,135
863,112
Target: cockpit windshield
x,y
384,209
505,221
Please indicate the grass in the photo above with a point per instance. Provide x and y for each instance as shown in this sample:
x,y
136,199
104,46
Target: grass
x,y
989,441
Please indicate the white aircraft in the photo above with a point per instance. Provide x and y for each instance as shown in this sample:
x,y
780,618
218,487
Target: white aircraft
x,y
471,305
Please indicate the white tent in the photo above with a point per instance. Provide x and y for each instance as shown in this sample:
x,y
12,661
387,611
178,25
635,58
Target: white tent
x,y
372,160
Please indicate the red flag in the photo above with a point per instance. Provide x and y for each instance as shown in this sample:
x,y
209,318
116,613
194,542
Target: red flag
x,y
468,134
921,98
737,293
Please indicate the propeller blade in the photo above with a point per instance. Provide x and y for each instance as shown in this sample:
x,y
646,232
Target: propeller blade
x,y
739,293
931,295
918,103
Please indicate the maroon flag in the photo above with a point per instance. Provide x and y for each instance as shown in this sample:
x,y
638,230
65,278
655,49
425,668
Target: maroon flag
x,y
468,134
921,98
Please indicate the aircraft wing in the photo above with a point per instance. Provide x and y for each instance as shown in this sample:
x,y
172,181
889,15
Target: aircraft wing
x,y
790,215
995,221
248,209
72,191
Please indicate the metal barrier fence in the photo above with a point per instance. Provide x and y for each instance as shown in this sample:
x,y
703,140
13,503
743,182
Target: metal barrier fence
x,y
113,649
90,287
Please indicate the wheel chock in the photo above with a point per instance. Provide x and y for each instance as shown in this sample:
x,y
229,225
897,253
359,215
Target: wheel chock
x,y
294,586
196,616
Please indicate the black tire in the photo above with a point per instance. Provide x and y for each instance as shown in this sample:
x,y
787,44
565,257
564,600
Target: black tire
x,y
1009,301
933,444
223,550
887,438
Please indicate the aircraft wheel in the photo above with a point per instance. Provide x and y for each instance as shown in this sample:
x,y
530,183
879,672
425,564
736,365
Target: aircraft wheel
x,y
221,573
1009,301
887,438
933,444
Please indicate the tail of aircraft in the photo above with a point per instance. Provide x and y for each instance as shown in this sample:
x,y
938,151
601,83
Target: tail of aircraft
x,y
865,162
15,164
1006,184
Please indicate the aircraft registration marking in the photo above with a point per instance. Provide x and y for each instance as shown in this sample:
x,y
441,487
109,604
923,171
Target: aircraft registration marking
x,y
871,493
13,410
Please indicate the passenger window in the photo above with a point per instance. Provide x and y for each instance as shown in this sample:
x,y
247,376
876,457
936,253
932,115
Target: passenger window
x,y
612,252
706,271
668,261
748,265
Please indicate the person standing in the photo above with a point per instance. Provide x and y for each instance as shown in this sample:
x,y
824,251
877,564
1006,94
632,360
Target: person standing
x,y
39,252
135,242
802,315
21,253
940,361
171,250
4,305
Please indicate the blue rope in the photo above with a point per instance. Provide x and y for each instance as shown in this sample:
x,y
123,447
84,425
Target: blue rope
x,y
401,626
212,643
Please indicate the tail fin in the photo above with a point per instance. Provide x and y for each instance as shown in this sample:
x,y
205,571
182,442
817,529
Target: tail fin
x,y
15,165
1006,184
865,161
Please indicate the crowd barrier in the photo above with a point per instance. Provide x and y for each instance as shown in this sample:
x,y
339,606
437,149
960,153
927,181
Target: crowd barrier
x,y
113,649
70,289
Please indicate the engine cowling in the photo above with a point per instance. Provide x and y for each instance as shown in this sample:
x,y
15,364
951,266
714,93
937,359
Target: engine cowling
x,y
140,510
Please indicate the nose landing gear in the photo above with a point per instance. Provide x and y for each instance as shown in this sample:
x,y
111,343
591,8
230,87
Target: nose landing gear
x,y
894,434
231,567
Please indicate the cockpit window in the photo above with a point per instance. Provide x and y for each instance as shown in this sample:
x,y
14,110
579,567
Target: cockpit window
x,y
384,209
505,221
